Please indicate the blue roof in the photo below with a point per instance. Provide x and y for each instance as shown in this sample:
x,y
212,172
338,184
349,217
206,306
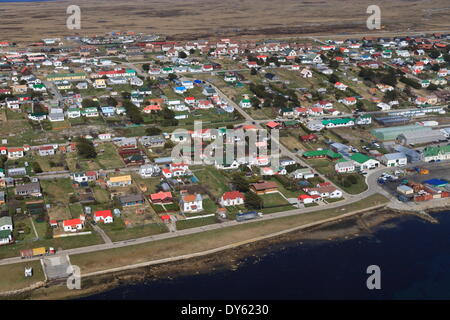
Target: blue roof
x,y
436,182
108,109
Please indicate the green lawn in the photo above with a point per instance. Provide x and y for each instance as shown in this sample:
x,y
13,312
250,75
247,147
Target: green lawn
x,y
13,250
214,180
101,195
16,279
273,199
57,190
109,158
117,231
186,224
326,167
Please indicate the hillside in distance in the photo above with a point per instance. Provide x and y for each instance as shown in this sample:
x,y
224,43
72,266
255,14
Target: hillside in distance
x,y
190,19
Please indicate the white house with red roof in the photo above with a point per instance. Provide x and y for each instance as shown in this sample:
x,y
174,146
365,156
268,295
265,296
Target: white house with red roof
x,y
191,203
340,86
232,198
104,216
152,108
15,153
252,64
74,225
307,199
349,101
46,150
204,104
176,170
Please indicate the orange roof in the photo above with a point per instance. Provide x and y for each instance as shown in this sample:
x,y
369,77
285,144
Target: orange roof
x,y
189,198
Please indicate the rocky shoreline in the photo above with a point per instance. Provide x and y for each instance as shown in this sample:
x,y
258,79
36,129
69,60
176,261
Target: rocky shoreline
x,y
360,224
231,259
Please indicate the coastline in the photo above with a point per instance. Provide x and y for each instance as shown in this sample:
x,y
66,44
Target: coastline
x,y
359,224
348,226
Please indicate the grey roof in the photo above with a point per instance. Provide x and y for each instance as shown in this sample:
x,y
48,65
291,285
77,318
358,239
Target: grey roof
x,y
29,187
5,221
394,156
131,198
345,164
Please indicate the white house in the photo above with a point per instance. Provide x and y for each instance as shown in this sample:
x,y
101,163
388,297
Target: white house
x,y
104,216
191,203
73,225
397,159
232,198
345,166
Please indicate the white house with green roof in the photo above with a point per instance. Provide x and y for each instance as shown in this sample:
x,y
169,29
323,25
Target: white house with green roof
x,y
364,162
39,87
90,112
340,122
73,113
431,154
245,103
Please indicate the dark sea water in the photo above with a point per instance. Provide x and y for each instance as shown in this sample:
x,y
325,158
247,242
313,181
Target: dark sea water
x,y
414,257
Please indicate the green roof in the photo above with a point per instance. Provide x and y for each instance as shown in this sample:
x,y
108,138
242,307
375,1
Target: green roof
x,y
435,151
5,221
360,158
322,153
337,121
5,234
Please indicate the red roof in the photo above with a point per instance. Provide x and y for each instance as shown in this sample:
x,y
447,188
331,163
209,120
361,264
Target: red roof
x,y
232,195
303,197
103,213
161,195
165,217
272,124
72,222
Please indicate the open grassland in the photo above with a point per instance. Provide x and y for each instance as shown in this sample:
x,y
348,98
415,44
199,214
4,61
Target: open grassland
x,y
198,242
16,275
214,18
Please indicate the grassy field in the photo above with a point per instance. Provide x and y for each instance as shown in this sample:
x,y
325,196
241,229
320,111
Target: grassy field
x,y
186,224
13,250
326,167
109,158
216,182
273,199
16,278
101,260
57,190
117,231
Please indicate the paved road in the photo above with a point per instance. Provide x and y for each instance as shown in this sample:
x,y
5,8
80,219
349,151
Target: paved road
x,y
373,188
216,226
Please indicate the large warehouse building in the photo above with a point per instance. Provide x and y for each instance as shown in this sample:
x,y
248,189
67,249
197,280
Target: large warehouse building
x,y
420,137
391,133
